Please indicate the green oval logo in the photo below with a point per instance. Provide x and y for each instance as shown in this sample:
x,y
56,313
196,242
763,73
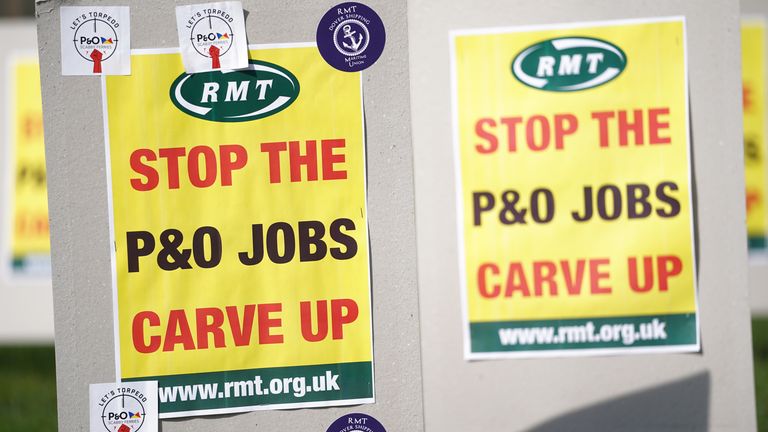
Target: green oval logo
x,y
260,91
569,64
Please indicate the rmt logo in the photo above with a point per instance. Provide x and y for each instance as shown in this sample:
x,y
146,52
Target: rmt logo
x,y
569,64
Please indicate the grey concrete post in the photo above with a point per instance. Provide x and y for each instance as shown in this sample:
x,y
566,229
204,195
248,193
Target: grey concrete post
x,y
712,390
80,228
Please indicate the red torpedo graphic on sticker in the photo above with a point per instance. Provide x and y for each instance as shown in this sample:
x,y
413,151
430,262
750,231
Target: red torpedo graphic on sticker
x,y
214,52
96,56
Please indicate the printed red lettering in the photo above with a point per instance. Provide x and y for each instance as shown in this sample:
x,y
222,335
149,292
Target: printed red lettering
x,y
139,339
241,332
546,278
178,332
638,123
206,328
330,159
482,283
482,133
202,166
266,323
149,173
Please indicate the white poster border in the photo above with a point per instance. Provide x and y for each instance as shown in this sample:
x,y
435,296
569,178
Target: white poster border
x,y
113,255
585,352
8,180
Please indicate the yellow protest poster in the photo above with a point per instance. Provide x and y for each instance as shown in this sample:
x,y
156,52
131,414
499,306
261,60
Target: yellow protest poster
x,y
574,191
753,79
26,247
239,216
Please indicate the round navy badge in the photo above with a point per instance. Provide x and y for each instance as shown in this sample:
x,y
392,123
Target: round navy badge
x,y
356,422
351,37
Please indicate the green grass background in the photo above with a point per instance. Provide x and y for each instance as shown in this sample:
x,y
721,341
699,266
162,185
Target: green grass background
x,y
28,385
760,354
27,389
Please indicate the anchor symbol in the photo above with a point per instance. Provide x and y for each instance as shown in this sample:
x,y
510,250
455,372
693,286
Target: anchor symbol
x,y
349,33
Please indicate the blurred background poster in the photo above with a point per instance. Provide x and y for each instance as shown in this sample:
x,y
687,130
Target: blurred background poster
x,y
26,312
27,246
27,374
753,76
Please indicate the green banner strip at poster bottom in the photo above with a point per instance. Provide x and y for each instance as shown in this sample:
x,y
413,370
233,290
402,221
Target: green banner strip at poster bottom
x,y
758,243
267,386
588,333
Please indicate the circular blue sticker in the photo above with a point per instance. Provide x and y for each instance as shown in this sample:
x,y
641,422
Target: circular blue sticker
x,y
351,37
356,422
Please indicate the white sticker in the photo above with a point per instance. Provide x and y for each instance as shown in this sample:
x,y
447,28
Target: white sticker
x,y
212,36
124,407
95,40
